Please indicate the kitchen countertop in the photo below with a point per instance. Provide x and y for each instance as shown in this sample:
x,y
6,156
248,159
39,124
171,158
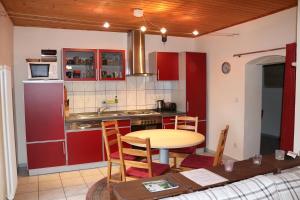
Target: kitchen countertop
x,y
80,117
91,121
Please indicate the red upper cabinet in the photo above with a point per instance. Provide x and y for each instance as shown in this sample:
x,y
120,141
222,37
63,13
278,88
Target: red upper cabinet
x,y
79,64
196,84
166,64
111,64
44,116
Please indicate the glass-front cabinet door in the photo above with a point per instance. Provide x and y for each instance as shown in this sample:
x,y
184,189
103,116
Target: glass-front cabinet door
x,y
79,64
111,64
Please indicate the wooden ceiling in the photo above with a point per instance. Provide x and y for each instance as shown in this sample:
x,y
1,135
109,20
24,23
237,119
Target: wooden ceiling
x,y
180,17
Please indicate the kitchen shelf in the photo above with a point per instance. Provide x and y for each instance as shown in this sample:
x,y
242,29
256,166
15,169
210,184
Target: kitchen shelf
x,y
79,64
111,64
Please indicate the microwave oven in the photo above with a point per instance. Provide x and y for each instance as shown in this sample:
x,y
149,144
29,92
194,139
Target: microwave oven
x,y
42,70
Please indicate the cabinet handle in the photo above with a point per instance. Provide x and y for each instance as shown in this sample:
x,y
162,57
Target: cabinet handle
x,y
100,74
187,106
64,149
158,74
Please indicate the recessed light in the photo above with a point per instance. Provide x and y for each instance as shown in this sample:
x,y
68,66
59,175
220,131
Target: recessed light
x,y
106,25
143,28
195,32
163,30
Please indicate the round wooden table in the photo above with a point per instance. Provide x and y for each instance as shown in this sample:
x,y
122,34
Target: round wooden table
x,y
165,139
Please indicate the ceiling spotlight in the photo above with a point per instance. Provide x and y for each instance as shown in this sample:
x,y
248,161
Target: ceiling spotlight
x,y
195,32
106,25
143,28
163,30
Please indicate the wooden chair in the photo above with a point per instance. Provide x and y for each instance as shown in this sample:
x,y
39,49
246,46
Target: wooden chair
x,y
184,123
110,131
200,161
141,168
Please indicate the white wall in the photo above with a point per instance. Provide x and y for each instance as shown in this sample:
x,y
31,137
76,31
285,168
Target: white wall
x,y
226,93
297,109
28,43
6,58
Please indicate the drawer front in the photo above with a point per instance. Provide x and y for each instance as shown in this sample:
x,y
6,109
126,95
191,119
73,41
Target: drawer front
x,y
167,120
48,154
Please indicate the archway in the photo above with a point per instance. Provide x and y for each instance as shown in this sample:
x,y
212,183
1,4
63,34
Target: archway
x,y
253,101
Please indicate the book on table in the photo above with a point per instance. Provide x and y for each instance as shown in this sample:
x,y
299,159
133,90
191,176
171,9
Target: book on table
x,y
159,185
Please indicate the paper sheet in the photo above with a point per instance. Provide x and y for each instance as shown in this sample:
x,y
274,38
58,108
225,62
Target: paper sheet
x,y
203,177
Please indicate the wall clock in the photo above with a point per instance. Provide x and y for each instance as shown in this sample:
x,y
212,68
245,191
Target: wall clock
x,y
226,67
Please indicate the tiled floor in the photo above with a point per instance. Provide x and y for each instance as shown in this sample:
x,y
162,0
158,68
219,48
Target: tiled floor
x,y
61,186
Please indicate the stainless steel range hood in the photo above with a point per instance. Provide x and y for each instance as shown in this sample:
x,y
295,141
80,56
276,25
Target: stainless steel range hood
x,y
136,55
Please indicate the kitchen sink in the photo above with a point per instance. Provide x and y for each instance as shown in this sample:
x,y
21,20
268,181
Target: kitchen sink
x,y
111,114
84,116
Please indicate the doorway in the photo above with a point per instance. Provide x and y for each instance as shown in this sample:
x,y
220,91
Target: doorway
x,y
272,92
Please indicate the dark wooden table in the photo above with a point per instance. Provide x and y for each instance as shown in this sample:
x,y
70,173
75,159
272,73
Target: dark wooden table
x,y
134,190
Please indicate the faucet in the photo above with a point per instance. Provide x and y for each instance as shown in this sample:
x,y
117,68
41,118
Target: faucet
x,y
100,110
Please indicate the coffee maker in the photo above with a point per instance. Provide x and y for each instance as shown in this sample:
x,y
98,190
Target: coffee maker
x,y
159,105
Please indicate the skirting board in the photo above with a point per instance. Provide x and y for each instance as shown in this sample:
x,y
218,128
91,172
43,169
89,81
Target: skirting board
x,y
66,168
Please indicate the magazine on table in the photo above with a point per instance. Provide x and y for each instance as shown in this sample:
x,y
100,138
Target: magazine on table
x,y
159,185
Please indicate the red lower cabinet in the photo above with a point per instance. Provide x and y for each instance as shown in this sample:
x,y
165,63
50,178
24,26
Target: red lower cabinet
x,y
125,131
84,147
48,154
202,130
168,122
169,126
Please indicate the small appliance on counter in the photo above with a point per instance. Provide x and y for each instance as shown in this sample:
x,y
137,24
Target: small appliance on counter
x,y
169,107
160,105
48,55
44,68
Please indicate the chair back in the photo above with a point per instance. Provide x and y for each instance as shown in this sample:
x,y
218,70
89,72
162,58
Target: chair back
x,y
221,146
186,123
110,131
143,154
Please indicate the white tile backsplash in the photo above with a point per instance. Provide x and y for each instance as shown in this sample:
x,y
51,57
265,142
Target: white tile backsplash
x,y
90,99
134,93
141,98
150,82
131,82
122,98
159,95
111,94
78,99
131,98
167,95
69,86
150,97
140,83
121,85
131,108
159,85
89,86
110,85
100,97
78,86
168,85
100,86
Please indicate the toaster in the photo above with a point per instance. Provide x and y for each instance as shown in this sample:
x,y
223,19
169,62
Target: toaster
x,y
169,107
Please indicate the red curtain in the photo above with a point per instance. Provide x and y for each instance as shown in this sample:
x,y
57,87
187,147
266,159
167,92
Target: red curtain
x,y
288,100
